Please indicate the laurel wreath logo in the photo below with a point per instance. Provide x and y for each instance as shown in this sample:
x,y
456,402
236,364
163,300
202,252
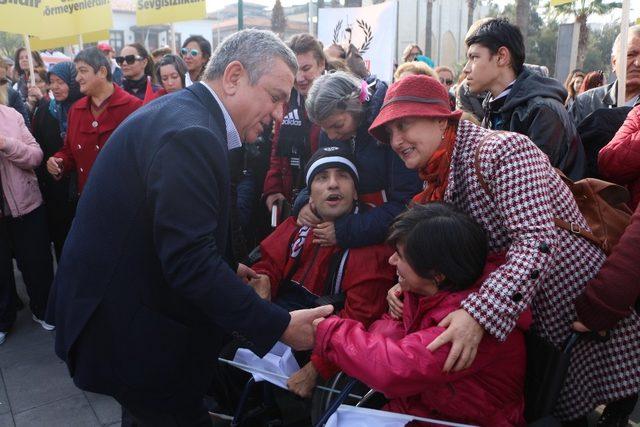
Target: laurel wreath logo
x,y
364,26
336,32
368,35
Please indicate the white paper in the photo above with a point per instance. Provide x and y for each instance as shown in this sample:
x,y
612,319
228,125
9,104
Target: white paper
x,y
274,215
350,416
275,367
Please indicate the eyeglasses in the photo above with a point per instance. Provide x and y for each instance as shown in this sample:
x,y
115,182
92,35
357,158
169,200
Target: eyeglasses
x,y
446,81
191,52
129,59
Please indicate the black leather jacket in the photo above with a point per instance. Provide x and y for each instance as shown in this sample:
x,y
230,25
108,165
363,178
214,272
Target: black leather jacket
x,y
535,108
589,101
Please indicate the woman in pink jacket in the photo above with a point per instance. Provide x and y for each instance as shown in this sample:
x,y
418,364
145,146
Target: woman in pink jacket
x,y
619,160
440,259
23,226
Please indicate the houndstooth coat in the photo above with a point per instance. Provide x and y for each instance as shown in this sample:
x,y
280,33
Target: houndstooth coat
x,y
546,267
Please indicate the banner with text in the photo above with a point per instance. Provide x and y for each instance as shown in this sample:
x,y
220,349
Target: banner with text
x,y
150,12
62,18
42,44
21,16
372,29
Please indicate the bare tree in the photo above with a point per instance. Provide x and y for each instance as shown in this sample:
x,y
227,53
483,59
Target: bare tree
x,y
523,16
428,30
582,10
471,7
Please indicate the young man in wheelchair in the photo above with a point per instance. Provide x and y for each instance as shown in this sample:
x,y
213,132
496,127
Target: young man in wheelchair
x,y
441,256
296,269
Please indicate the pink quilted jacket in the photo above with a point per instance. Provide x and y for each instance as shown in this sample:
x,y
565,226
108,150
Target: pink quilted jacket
x,y
19,155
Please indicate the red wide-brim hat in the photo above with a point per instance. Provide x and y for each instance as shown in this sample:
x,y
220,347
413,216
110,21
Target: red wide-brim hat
x,y
412,96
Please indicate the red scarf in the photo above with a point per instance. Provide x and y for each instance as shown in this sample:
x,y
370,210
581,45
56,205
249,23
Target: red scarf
x,y
436,173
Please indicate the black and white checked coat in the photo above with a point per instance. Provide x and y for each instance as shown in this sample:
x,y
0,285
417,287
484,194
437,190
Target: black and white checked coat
x,y
546,267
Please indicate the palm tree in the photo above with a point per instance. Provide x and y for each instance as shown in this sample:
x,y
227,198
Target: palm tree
x,y
582,10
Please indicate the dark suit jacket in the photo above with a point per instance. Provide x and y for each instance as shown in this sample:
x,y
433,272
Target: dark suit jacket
x,y
143,296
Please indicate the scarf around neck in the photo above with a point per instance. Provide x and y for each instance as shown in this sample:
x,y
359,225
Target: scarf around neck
x,y
135,87
436,173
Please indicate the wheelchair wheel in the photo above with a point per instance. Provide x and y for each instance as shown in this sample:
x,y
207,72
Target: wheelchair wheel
x,y
322,399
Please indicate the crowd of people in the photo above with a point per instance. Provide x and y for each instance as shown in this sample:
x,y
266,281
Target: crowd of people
x,y
424,211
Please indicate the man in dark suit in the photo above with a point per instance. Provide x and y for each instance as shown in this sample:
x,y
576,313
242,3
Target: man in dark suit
x,y
144,296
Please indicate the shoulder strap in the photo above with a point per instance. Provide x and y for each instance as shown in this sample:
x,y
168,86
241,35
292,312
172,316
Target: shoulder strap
x,y
576,229
476,162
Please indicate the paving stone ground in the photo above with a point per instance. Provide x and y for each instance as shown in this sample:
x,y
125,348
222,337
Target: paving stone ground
x,y
36,390
35,387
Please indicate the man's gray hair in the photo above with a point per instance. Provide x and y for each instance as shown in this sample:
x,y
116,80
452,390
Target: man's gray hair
x,y
634,31
256,50
333,93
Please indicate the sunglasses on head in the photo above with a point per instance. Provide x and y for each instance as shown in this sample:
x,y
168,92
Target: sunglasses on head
x,y
129,59
191,52
446,81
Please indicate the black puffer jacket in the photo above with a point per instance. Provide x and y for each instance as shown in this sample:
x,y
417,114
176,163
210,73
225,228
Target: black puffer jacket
x,y
535,108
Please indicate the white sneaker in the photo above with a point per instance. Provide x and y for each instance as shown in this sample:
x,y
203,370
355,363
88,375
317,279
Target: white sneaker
x,y
45,325
3,336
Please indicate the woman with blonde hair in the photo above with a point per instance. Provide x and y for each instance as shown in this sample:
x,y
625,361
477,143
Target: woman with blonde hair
x,y
413,68
410,52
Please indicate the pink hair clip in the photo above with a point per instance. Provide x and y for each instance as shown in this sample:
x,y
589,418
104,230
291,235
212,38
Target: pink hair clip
x,y
364,91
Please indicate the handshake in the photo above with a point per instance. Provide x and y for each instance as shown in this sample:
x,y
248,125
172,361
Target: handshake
x,y
300,333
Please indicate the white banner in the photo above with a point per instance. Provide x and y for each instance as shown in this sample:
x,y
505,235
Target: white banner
x,y
372,29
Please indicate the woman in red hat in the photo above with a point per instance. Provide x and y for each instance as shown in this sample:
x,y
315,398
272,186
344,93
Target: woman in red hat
x,y
506,183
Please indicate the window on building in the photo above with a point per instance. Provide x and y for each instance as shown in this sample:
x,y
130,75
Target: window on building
x,y
116,40
178,41
149,39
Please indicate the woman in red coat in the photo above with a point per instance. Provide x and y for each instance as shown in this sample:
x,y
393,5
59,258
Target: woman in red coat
x,y
440,257
619,160
92,119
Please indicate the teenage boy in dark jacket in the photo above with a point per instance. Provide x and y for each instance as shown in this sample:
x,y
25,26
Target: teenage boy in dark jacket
x,y
519,100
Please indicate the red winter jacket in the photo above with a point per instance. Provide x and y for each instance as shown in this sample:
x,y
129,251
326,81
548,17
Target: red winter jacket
x,y
619,160
87,135
279,177
367,274
392,358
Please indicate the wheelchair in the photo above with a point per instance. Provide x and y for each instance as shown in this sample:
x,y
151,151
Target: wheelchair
x,y
544,381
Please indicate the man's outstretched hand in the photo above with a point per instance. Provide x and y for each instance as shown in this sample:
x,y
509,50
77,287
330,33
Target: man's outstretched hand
x,y
300,334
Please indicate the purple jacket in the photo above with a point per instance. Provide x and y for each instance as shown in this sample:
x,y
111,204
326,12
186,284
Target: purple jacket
x,y
19,155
